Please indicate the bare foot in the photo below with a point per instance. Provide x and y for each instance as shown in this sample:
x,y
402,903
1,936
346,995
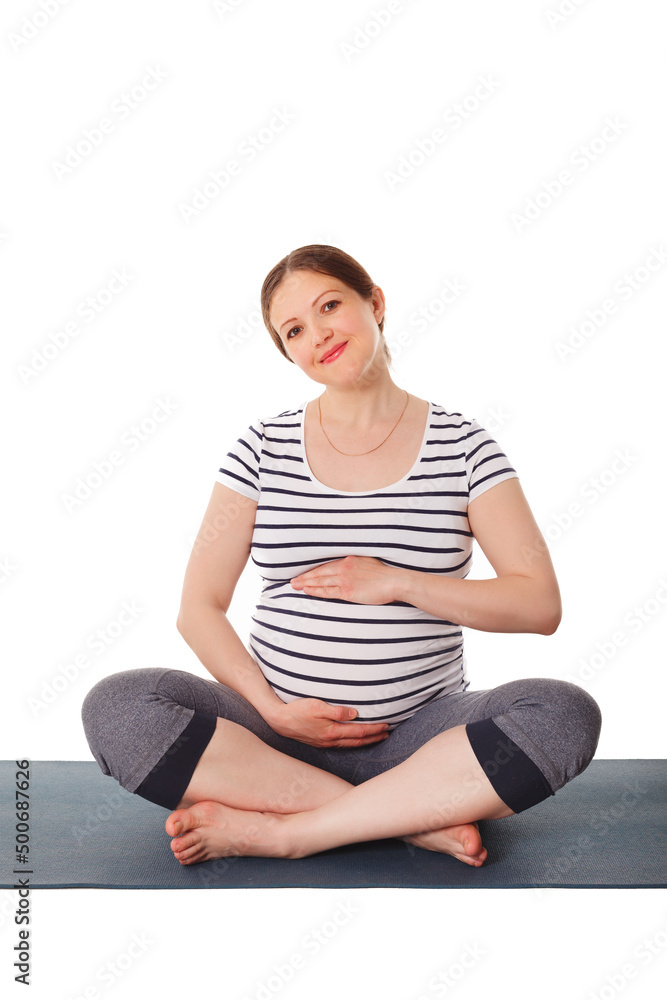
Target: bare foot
x,y
211,830
463,842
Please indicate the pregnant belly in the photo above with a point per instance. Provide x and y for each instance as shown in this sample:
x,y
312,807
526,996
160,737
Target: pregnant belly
x,y
384,679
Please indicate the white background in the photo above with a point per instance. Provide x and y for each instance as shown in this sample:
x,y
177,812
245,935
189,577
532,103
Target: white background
x,y
186,329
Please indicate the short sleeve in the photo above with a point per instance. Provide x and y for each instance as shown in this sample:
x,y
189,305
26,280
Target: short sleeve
x,y
486,462
240,468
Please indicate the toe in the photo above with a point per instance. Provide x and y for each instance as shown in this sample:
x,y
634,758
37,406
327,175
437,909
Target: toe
x,y
475,860
187,840
177,822
473,852
189,853
190,861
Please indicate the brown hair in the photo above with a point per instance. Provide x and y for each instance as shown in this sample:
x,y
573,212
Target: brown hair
x,y
324,260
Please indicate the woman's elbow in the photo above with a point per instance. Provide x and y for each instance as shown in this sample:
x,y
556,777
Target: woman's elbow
x,y
182,618
551,619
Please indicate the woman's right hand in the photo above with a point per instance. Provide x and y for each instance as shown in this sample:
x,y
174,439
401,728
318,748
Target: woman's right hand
x,y
319,724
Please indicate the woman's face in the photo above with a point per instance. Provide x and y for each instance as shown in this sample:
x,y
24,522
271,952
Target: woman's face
x,y
314,313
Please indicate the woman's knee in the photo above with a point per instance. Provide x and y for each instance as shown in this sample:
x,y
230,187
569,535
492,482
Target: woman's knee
x,y
576,722
560,719
132,718
109,712
111,694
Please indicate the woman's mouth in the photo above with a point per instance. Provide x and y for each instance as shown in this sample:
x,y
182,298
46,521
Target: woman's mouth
x,y
335,354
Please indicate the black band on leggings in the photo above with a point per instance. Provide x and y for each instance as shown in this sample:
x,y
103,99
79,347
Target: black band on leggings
x,y
166,783
516,779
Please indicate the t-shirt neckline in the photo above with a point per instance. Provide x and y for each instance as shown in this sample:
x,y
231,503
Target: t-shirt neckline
x,y
359,493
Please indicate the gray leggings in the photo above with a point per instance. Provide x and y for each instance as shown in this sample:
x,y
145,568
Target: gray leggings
x,y
148,727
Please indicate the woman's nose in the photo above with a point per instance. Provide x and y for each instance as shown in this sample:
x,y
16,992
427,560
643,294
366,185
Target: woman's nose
x,y
321,335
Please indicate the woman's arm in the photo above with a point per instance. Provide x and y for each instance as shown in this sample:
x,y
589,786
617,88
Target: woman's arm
x,y
213,639
524,597
218,557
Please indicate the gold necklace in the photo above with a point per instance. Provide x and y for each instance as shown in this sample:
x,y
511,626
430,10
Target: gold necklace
x,y
356,454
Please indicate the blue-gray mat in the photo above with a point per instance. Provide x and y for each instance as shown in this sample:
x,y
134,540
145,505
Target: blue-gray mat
x,y
605,829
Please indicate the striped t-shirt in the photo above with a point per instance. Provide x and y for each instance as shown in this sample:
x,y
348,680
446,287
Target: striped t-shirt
x,y
385,660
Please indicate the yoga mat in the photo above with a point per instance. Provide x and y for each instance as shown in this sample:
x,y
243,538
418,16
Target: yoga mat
x,y
605,829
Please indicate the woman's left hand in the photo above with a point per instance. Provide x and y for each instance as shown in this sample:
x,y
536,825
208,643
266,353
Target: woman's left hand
x,y
360,579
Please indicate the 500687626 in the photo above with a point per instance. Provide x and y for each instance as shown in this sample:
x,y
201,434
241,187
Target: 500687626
x,y
22,851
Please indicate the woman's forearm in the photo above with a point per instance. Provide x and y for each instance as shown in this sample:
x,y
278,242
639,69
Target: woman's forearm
x,y
504,604
211,636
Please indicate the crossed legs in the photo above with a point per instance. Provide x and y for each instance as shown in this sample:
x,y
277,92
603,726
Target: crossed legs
x,y
247,798
235,787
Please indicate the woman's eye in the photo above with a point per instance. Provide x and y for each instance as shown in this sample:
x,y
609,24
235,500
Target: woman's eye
x,y
331,302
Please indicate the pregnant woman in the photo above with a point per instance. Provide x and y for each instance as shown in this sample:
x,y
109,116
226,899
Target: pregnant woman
x,y
350,716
